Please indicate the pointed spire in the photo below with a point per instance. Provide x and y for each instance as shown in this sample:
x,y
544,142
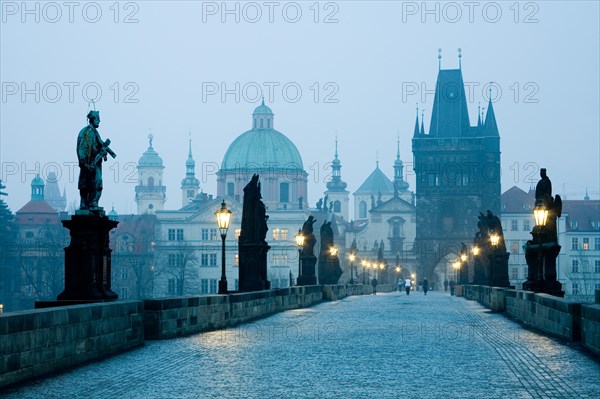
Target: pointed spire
x,y
478,114
422,121
377,159
398,146
336,149
416,132
490,126
587,197
440,59
263,100
459,58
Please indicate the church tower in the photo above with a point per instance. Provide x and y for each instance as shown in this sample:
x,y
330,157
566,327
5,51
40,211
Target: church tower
x,y
190,186
336,188
457,169
37,188
150,193
400,185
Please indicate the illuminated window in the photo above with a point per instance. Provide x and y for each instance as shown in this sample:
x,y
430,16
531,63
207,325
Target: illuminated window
x,y
275,234
236,260
586,243
237,233
283,234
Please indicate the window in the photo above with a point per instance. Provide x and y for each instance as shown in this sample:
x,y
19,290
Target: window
x,y
213,286
175,260
575,288
208,260
124,293
237,284
204,286
151,181
514,247
515,273
268,123
204,234
261,123
573,224
575,266
171,285
597,244
284,192
283,234
597,266
230,189
124,273
204,260
236,260
237,233
280,260
596,224
337,206
514,225
212,259
190,193
213,234
586,243
362,210
175,234
526,225
574,243
275,234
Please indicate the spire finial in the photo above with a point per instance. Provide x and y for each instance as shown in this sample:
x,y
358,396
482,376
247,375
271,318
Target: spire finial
x,y
417,110
150,137
440,59
336,143
377,159
490,92
459,58
398,145
190,139
263,99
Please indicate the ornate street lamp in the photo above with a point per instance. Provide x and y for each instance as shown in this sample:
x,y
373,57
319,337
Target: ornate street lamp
x,y
333,250
456,267
540,215
352,257
495,239
223,219
475,250
300,245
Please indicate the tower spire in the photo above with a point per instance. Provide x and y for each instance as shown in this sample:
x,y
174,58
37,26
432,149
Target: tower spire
x,y
440,59
190,149
398,145
459,58
478,114
416,132
336,149
423,121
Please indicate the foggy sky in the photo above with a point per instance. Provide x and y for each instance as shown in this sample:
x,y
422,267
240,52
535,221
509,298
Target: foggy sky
x,y
544,58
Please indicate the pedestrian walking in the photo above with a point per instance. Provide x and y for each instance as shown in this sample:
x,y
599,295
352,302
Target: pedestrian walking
x,y
374,285
452,284
407,286
399,286
445,285
425,285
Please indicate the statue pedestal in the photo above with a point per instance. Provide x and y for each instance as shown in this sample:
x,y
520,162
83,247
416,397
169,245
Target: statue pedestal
x,y
88,258
253,267
499,263
329,270
541,262
308,276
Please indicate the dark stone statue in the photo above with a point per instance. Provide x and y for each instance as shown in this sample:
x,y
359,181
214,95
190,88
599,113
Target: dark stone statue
x,y
253,247
307,258
329,264
319,204
300,201
541,252
254,217
490,266
309,237
325,206
91,151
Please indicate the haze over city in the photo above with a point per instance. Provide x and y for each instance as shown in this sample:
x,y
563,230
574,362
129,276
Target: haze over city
x,y
352,69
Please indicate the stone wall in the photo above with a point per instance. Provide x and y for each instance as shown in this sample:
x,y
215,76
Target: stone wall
x,y
493,298
36,342
172,317
590,325
553,315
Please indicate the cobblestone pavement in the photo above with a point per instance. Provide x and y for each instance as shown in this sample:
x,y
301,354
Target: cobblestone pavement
x,y
384,346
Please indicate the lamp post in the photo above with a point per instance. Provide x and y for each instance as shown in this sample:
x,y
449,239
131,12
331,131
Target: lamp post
x,y
540,215
300,245
223,219
364,265
398,270
352,257
456,267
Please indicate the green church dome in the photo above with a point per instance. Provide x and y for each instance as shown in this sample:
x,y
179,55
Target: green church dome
x,y
262,147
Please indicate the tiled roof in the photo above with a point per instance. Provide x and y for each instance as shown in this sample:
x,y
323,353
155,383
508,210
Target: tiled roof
x,y
376,183
585,213
515,200
37,207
